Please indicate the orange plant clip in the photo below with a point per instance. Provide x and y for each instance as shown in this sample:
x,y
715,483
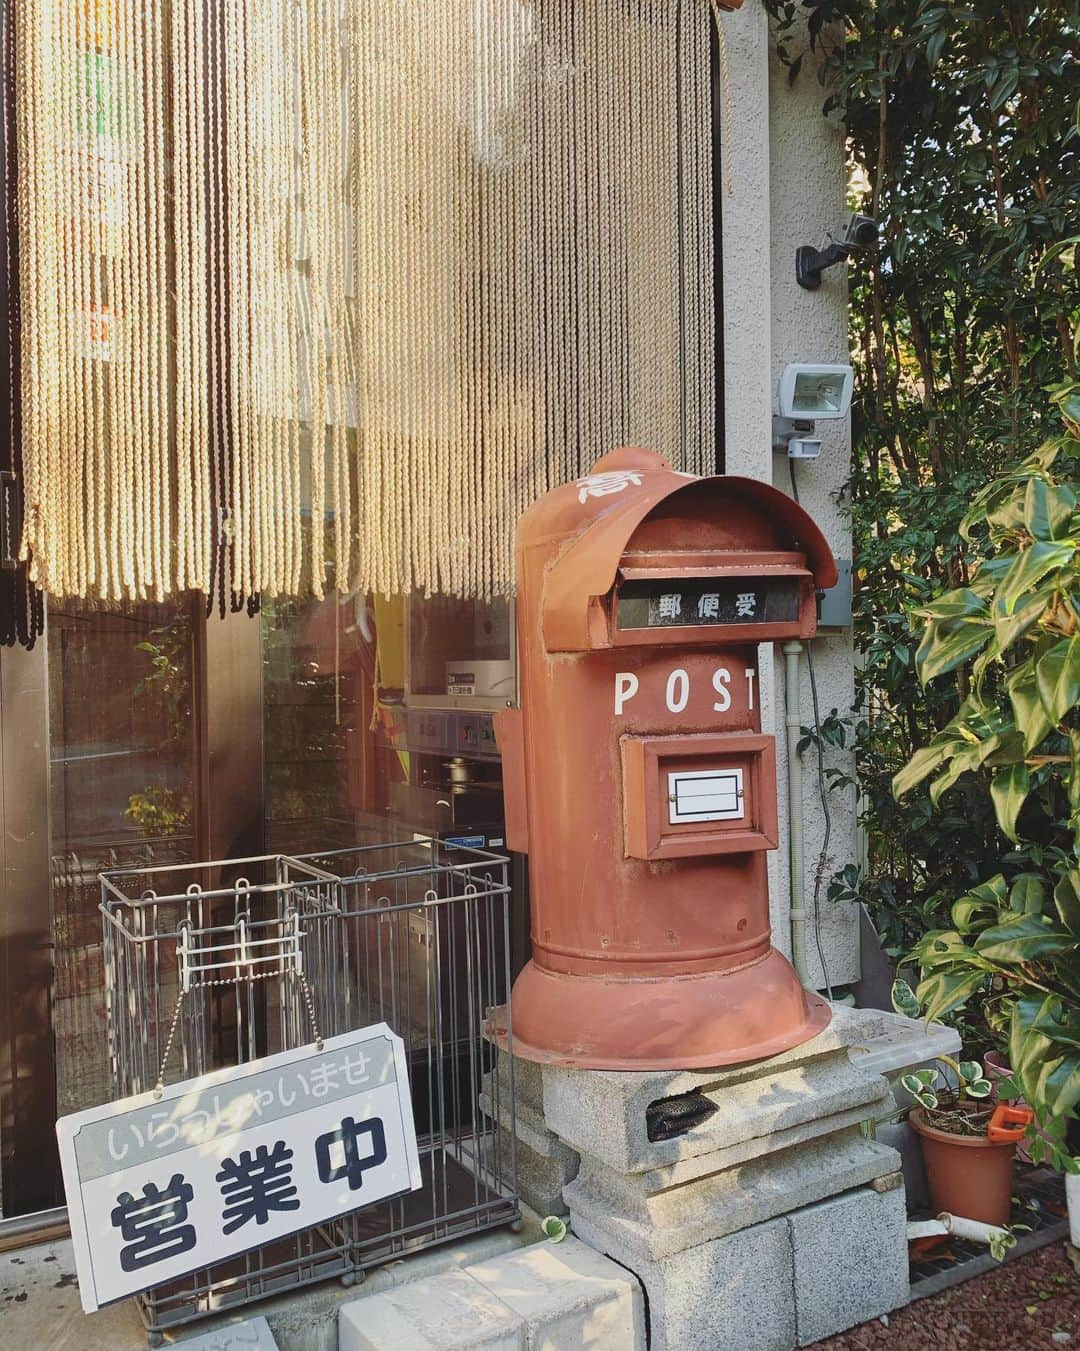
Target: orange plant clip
x,y
1008,1123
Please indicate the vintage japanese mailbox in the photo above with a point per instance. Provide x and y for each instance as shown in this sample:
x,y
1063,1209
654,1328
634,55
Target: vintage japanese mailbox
x,y
637,778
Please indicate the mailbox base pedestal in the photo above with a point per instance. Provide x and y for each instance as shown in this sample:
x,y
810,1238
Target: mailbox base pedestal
x,y
544,1163
668,1022
772,1222
785,1283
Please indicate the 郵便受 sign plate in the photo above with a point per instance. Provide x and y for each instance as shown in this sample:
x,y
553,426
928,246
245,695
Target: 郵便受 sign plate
x,y
160,1187
693,602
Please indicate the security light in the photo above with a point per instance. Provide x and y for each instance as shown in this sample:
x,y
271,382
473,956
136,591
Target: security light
x,y
861,234
809,392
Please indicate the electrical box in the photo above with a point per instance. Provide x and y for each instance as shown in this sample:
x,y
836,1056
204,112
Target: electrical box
x,y
835,610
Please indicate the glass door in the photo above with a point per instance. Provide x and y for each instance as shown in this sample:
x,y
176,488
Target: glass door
x,y
147,734
100,755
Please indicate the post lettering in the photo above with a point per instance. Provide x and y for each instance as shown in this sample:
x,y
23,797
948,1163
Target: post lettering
x,y
721,680
626,686
678,691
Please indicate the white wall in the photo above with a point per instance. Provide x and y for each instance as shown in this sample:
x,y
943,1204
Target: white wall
x,y
789,178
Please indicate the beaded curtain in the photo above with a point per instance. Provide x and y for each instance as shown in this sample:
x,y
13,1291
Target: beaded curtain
x,y
328,291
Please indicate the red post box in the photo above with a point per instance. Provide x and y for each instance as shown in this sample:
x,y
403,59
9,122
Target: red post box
x,y
636,775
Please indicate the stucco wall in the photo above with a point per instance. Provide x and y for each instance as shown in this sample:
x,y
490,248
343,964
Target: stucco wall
x,y
789,176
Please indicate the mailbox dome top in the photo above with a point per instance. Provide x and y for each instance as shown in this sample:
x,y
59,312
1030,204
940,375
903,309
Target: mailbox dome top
x,y
625,482
576,534
581,529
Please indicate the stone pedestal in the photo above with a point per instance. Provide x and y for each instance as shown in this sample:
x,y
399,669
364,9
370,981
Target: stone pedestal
x,y
545,1163
770,1223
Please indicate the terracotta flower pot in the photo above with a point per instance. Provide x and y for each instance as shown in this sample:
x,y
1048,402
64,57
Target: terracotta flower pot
x,y
967,1174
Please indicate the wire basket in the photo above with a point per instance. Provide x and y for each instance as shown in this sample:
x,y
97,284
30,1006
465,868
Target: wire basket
x,y
208,954
425,947
213,964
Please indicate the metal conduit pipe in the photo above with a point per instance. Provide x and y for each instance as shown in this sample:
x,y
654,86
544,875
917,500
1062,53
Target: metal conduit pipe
x,y
797,912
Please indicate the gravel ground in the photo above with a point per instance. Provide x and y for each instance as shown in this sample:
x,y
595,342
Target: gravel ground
x,y
1033,1302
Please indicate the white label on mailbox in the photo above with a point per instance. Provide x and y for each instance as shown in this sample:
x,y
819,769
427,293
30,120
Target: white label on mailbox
x,y
705,795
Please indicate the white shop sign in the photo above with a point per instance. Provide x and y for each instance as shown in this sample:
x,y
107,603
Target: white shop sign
x,y
160,1187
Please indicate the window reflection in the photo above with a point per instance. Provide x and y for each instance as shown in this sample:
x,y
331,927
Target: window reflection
x,y
378,718
326,779
121,792
372,721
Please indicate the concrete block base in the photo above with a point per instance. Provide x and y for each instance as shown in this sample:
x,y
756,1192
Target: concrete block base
x,y
731,1199
733,1292
568,1294
544,1298
850,1257
770,1287
451,1311
759,1108
545,1164
768,1223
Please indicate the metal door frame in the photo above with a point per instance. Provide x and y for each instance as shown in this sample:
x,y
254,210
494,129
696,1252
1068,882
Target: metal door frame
x,y
27,1060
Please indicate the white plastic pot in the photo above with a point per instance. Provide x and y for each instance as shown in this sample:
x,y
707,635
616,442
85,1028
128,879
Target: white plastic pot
x,y
1072,1197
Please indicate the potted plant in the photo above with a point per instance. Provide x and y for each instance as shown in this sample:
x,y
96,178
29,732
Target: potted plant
x,y
1014,632
968,1174
1020,950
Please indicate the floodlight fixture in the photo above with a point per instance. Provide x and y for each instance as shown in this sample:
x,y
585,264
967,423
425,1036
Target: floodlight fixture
x,y
814,392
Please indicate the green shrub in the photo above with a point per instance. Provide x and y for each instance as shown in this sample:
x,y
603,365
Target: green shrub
x,y
962,142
